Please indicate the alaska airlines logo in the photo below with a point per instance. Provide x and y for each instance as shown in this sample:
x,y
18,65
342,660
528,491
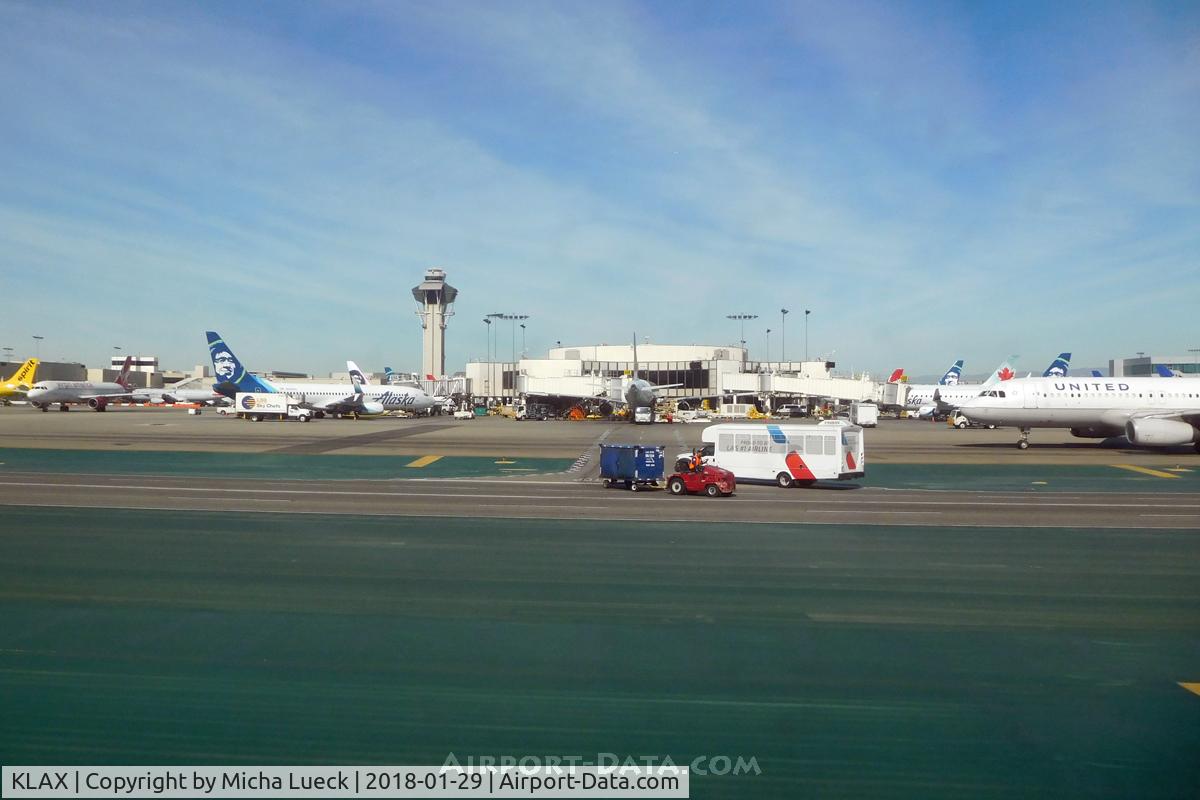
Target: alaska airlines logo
x,y
1056,371
1006,374
396,399
248,402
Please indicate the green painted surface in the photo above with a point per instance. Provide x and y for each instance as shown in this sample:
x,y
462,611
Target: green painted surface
x,y
848,661
265,465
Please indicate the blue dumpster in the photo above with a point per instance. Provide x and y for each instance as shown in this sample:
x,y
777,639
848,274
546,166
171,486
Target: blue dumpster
x,y
631,465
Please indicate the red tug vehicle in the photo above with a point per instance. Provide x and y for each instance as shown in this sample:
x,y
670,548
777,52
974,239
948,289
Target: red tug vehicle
x,y
701,477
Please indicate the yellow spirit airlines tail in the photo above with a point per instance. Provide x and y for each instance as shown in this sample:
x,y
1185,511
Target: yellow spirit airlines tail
x,y
21,380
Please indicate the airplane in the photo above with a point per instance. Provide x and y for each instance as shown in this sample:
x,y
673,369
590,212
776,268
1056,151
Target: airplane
x,y
920,395
178,394
19,382
949,400
64,394
1147,411
896,376
335,399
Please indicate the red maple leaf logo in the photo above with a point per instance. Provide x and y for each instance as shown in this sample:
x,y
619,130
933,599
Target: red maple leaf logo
x,y
1006,374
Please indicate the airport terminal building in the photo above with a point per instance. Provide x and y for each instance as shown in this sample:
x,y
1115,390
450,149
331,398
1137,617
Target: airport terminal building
x,y
693,373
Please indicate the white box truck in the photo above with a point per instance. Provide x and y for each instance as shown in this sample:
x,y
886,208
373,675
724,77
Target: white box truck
x,y
258,406
865,415
786,455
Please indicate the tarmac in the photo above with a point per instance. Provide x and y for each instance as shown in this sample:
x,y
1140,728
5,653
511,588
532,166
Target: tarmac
x,y
969,621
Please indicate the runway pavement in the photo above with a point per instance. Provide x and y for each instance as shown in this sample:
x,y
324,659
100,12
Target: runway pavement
x,y
571,500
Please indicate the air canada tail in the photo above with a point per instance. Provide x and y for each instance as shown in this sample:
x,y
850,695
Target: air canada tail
x,y
229,372
952,375
1004,372
1059,367
23,377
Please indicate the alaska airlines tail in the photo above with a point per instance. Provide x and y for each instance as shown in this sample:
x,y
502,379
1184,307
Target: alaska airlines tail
x,y
356,374
23,378
229,372
952,375
1059,367
1163,371
1004,372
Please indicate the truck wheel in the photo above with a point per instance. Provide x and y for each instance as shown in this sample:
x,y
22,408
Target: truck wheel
x,y
962,423
712,491
607,483
675,486
784,480
634,487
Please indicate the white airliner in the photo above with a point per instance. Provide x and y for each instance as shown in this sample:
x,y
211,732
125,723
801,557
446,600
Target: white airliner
x,y
930,399
324,398
64,394
183,392
1148,411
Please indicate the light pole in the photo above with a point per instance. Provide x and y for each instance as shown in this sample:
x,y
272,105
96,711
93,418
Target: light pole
x,y
8,351
783,312
37,345
522,340
806,313
741,318
768,344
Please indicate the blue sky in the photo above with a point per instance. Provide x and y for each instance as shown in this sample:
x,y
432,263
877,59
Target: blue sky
x,y
933,180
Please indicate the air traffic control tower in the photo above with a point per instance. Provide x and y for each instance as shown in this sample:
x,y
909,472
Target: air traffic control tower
x,y
435,299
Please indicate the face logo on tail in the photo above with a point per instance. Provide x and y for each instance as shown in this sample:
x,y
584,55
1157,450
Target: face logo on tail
x,y
224,364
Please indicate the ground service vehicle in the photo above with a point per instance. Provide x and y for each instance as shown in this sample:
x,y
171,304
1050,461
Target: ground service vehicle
x,y
631,465
787,455
258,406
865,415
643,414
713,481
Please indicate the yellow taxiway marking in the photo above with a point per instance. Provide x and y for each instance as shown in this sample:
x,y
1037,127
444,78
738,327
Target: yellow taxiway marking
x,y
423,461
1145,470
1194,688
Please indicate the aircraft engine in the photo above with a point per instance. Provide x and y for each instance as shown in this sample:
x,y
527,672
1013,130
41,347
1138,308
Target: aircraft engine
x,y
98,403
372,408
1159,431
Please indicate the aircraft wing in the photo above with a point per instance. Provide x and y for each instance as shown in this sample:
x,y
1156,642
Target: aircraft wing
x,y
666,386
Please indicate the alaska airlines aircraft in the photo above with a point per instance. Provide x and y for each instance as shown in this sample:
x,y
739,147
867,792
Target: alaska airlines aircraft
x,y
324,398
18,384
1148,411
920,395
64,394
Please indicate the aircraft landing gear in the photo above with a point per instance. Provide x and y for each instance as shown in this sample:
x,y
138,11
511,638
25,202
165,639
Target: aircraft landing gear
x,y
64,407
42,407
1023,442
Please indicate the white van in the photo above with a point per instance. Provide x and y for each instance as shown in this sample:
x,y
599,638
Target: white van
x,y
865,415
784,454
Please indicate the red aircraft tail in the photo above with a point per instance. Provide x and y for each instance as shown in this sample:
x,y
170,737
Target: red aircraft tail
x,y
896,376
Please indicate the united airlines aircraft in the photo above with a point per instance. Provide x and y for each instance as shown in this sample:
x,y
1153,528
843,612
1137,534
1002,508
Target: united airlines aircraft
x,y
1148,411
324,398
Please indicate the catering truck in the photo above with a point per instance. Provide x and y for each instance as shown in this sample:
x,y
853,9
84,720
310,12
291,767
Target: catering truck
x,y
786,455
258,406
